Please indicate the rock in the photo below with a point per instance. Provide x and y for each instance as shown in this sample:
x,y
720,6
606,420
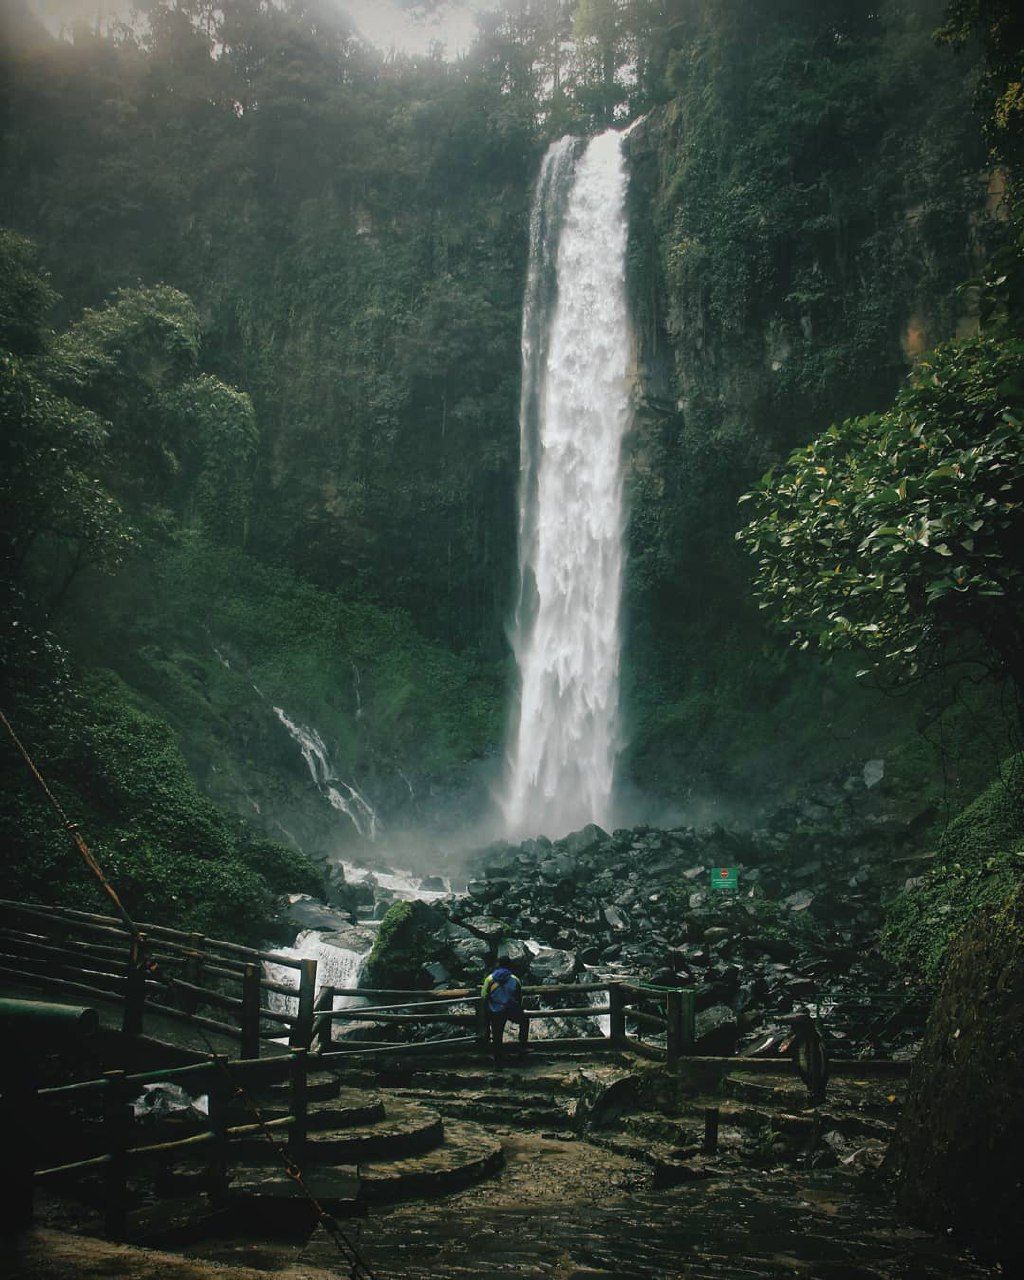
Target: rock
x,y
433,884
557,867
485,890
580,842
472,953
303,912
715,934
438,974
616,920
717,1031
874,772
516,955
799,901
553,966
485,927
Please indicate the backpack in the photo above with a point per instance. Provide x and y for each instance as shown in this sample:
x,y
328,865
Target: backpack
x,y
503,991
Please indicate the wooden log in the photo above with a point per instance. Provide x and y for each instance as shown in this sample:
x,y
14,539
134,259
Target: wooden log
x,y
135,988
209,1024
653,1020
250,1014
322,1025
673,1026
645,1050
583,1011
390,1008
298,1094
423,1046
90,957
112,982
192,982
617,1010
357,1015
19,1122
302,1024
218,1098
62,984
117,1119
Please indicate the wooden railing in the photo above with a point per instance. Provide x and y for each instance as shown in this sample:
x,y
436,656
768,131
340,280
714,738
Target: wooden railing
x,y
628,1008
165,972
118,1137
224,988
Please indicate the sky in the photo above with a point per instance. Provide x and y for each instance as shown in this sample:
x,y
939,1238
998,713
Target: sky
x,y
407,27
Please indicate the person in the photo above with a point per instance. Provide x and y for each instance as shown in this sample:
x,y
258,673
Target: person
x,y
809,1055
503,995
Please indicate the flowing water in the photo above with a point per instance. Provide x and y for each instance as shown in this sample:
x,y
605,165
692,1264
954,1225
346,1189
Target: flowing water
x,y
341,795
575,410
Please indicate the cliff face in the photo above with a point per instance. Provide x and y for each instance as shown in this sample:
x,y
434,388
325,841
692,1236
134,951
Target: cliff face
x,y
957,1152
805,203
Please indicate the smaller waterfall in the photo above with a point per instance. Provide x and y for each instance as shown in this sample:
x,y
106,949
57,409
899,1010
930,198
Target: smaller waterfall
x,y
336,967
341,795
400,884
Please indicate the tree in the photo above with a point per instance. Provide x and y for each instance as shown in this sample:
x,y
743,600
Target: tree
x,y
901,535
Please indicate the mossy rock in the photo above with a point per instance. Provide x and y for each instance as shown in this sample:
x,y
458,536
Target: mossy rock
x,y
957,1153
406,941
980,861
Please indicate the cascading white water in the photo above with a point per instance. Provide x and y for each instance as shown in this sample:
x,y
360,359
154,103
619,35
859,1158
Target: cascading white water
x,y
574,413
336,967
347,799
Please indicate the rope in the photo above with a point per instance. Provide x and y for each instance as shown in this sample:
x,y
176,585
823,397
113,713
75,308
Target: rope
x,y
358,1270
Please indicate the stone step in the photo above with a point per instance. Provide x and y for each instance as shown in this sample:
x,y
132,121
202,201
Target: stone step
x,y
469,1154
268,1202
320,1085
406,1129
346,1109
527,1110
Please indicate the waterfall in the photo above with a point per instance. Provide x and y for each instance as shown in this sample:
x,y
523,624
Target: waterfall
x,y
575,409
343,797
336,967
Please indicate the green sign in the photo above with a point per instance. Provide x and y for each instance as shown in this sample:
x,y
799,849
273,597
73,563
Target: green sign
x,y
724,878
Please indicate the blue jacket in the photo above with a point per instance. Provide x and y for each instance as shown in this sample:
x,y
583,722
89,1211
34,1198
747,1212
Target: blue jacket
x,y
503,991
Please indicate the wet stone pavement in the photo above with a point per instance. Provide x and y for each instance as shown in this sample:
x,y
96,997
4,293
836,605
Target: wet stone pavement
x,y
566,1209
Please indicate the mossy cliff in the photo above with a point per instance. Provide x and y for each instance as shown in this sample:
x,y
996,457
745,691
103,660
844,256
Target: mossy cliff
x,y
957,1155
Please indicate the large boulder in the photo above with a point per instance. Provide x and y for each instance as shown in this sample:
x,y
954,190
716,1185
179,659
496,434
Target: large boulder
x,y
717,1031
957,1152
406,942
553,966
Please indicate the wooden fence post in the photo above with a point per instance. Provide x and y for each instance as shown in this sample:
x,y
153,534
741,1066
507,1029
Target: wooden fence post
x,y
302,1028
323,1035
250,1019
116,1126
674,1029
218,1101
135,987
193,971
18,1115
688,1023
617,1013
483,1026
298,1105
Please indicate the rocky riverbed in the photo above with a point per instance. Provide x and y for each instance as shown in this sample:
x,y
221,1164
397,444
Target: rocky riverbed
x,y
799,930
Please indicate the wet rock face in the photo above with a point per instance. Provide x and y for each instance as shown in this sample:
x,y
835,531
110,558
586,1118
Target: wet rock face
x,y
958,1151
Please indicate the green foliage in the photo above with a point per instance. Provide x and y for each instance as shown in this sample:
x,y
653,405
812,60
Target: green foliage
x,y
898,534
980,861
402,947
26,296
174,857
